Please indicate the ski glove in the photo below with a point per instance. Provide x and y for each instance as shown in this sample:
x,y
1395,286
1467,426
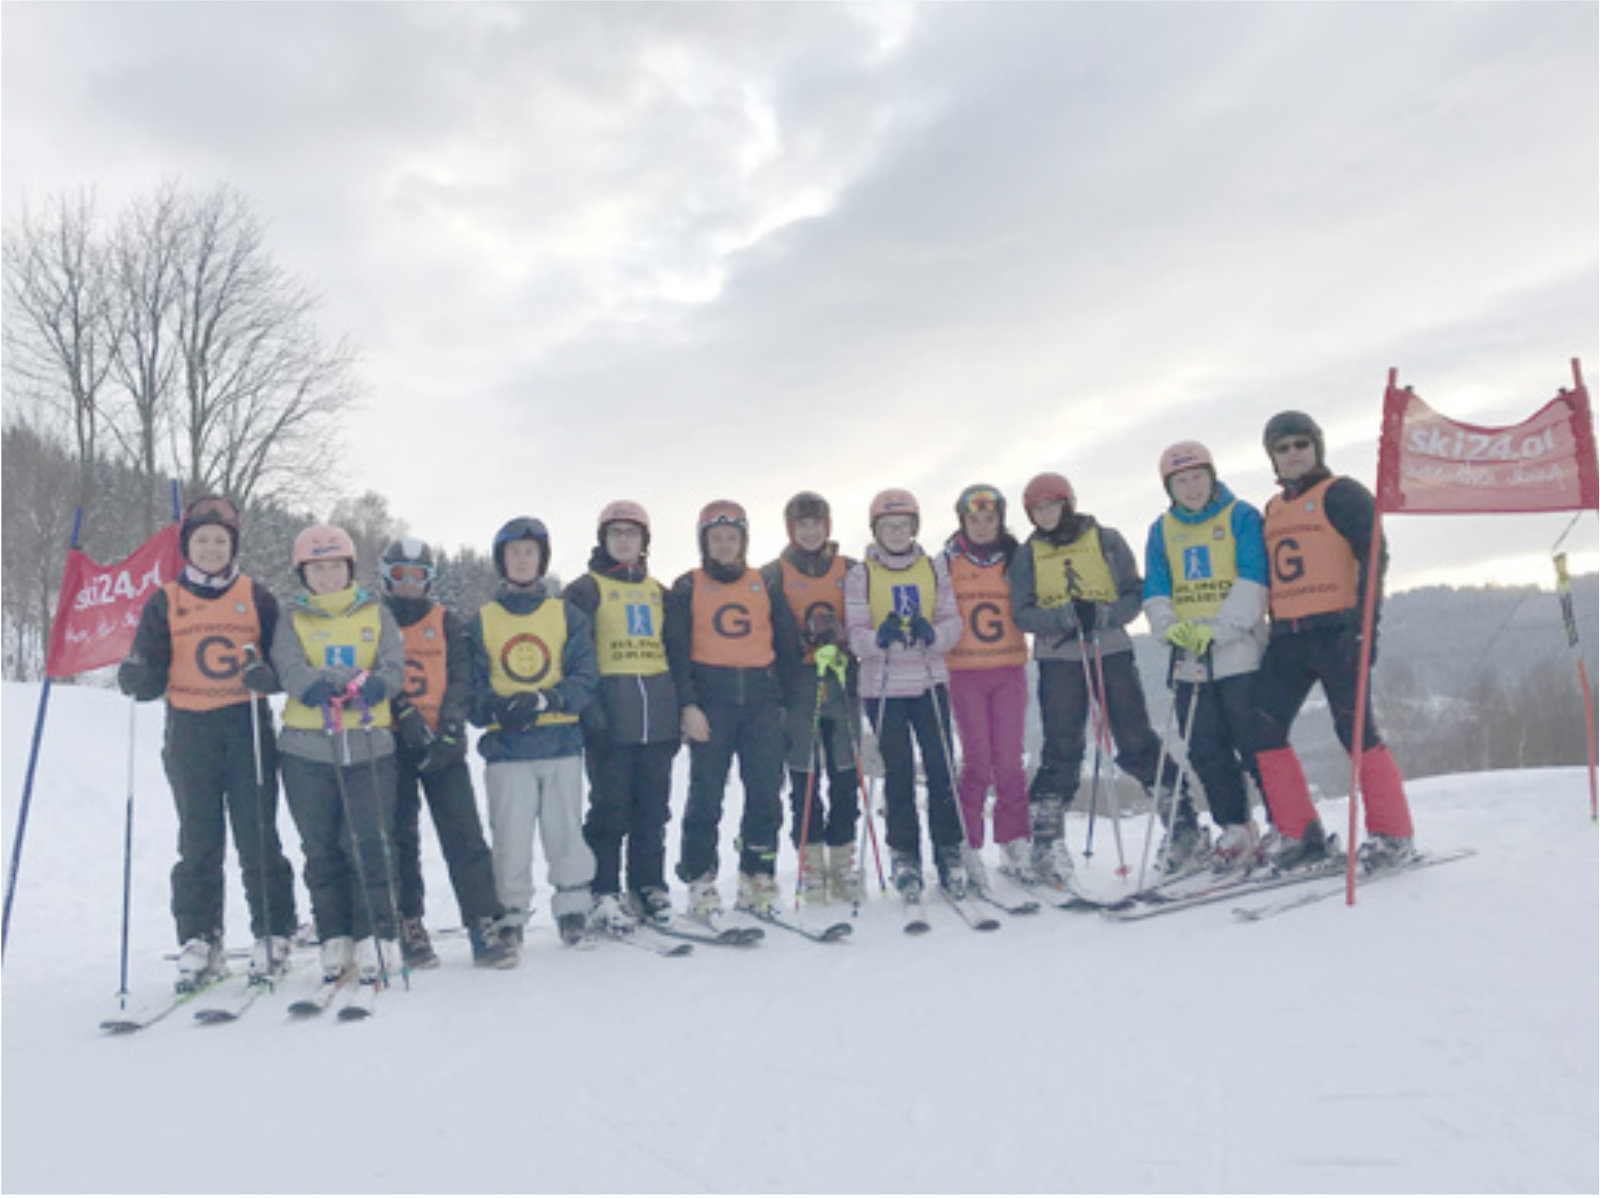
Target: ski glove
x,y
449,747
411,727
1088,615
259,677
921,631
373,690
519,712
1193,635
318,693
890,631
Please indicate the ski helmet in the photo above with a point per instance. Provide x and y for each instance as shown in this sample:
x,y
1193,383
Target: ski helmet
x,y
323,543
210,509
981,497
621,510
522,528
807,505
406,560
1291,424
1044,487
723,512
1186,455
894,502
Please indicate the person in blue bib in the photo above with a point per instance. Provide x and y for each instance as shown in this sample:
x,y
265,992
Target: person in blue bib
x,y
1205,594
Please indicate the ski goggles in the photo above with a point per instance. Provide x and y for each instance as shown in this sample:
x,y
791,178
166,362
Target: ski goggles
x,y
981,499
213,509
408,573
1292,445
725,519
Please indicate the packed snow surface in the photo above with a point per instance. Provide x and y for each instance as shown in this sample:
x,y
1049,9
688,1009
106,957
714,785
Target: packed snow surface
x,y
1439,1036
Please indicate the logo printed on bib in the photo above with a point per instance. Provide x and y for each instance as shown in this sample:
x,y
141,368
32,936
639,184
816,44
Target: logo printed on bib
x,y
525,658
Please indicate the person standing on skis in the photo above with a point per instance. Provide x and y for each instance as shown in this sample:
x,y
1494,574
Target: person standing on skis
x,y
732,645
902,618
1318,533
1074,585
533,673
431,727
989,682
1205,594
340,658
822,713
201,643
631,730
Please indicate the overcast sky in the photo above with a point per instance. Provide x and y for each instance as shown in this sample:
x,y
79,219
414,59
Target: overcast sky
x,y
681,252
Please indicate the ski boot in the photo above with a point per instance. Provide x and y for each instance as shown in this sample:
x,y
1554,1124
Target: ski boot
x,y
952,869
1184,844
1379,852
1016,861
490,948
336,954
268,958
201,961
1288,853
415,947
977,871
907,875
758,893
705,903
611,917
378,962
573,928
653,904
814,875
1239,847
844,878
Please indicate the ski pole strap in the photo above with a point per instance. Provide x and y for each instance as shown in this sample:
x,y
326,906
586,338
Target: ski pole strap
x,y
830,660
331,711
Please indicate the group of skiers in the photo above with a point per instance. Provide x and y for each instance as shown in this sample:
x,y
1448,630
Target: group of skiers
x,y
771,666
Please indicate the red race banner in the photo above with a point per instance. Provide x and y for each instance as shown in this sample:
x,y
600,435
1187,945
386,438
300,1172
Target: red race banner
x,y
98,610
1430,463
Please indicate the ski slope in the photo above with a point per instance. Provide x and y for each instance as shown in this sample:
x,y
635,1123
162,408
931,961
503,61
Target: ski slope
x,y
1440,1036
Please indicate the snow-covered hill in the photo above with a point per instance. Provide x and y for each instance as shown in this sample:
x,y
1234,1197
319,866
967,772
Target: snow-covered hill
x,y
1440,1036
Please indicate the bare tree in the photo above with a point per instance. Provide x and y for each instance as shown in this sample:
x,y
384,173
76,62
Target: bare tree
x,y
259,390
145,251
60,331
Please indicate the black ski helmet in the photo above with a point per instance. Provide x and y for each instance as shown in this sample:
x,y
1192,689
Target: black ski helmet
x,y
210,509
1292,424
807,505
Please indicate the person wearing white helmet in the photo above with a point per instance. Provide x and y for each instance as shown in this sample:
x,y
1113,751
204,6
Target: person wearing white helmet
x,y
1205,594
533,673
901,614
431,760
340,658
630,732
199,644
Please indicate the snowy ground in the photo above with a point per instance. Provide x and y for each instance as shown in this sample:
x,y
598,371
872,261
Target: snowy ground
x,y
1441,1036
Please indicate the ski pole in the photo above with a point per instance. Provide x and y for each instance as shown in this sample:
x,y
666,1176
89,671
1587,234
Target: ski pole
x,y
1161,761
1171,811
260,808
940,717
1111,758
390,883
127,856
333,725
811,784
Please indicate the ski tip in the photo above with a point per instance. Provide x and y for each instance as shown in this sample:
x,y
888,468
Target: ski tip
x,y
838,931
353,1014
987,925
678,950
918,928
209,1017
120,1027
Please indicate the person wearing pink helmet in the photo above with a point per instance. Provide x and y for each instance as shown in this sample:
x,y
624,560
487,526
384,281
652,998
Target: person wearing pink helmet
x,y
1205,594
341,659
902,618
631,730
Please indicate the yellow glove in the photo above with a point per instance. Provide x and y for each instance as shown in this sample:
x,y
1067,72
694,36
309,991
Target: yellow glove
x,y
1195,636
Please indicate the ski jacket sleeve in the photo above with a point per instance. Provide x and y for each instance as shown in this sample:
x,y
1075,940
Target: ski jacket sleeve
x,y
481,707
390,665
677,633
858,614
946,612
584,595
1350,506
143,673
785,631
1125,573
1158,607
580,665
457,701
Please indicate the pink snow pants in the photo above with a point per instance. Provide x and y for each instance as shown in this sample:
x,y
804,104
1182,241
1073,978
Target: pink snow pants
x,y
989,706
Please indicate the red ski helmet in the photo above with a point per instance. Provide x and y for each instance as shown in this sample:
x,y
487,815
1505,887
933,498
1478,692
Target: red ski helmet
x,y
1044,487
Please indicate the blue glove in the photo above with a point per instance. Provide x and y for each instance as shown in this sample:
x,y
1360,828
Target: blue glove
x,y
318,693
921,631
890,632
